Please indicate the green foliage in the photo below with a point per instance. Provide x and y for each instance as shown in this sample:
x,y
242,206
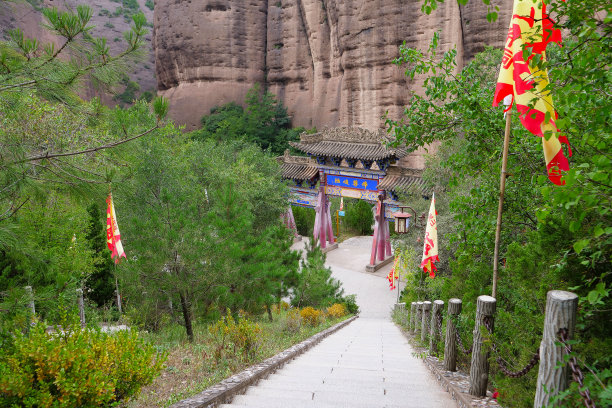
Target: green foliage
x,y
304,220
129,93
359,216
243,336
315,285
264,122
75,367
150,4
101,282
552,237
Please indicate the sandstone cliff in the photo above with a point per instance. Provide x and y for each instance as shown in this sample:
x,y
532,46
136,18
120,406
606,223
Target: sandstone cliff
x,y
329,61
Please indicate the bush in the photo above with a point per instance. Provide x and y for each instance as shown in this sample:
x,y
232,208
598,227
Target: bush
x,y
244,336
293,321
315,286
350,303
75,367
358,216
336,310
311,316
304,220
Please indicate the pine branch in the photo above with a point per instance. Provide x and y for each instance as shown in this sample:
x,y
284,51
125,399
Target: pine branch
x,y
90,150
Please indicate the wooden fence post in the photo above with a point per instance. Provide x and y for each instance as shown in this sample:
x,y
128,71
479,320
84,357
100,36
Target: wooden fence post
x,y
419,314
425,321
479,369
553,375
450,343
434,330
412,315
81,306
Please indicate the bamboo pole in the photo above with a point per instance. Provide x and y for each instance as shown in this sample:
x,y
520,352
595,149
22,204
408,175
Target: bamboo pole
x,y
500,207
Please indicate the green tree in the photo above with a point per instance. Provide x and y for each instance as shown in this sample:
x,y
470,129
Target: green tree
x,y
264,122
552,237
315,286
101,282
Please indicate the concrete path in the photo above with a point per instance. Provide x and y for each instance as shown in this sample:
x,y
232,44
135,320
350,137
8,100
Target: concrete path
x,y
366,364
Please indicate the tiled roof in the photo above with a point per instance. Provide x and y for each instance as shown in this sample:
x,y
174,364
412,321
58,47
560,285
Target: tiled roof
x,y
299,171
297,167
398,182
349,143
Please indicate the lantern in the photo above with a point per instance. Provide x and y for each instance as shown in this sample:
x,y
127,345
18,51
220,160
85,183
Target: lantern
x,y
402,220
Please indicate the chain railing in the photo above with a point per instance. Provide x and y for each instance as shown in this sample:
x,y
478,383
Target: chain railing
x,y
465,351
576,372
500,361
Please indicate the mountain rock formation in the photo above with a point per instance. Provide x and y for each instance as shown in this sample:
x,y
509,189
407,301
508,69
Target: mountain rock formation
x,y
329,61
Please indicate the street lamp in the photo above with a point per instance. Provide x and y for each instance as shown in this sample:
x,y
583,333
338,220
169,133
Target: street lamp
x,y
402,219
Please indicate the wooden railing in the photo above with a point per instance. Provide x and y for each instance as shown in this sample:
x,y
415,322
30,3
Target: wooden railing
x,y
426,322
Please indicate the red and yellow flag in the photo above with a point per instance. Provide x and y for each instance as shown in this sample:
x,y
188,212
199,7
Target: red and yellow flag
x,y
530,32
113,236
430,247
393,274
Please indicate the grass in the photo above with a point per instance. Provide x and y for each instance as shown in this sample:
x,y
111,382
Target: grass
x,y
193,367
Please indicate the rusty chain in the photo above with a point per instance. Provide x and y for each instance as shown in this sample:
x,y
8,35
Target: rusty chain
x,y
500,361
458,338
576,372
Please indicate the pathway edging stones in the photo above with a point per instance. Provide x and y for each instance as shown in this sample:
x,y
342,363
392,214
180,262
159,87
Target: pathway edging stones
x,y
223,392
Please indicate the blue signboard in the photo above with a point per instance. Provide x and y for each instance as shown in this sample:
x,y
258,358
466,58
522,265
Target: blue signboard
x,y
352,182
341,213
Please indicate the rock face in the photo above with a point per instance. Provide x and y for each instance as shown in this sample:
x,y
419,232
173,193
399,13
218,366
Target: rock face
x,y
329,61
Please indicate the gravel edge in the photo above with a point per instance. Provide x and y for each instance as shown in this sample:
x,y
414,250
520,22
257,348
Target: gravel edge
x,y
223,392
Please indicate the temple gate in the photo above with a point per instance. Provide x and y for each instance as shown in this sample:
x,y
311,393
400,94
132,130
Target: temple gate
x,y
353,163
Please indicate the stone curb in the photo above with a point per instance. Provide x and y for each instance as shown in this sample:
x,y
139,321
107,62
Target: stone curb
x,y
223,392
456,383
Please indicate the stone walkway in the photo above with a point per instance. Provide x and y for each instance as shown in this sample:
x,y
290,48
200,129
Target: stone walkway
x,y
368,363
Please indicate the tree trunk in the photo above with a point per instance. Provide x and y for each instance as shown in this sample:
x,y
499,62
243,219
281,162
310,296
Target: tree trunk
x,y
479,369
186,316
552,375
269,312
450,344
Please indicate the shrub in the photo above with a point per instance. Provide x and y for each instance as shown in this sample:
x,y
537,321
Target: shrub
x,y
293,321
244,336
358,216
304,220
350,303
336,310
311,316
76,367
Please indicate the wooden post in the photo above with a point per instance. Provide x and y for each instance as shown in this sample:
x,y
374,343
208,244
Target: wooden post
x,y
500,206
419,314
434,334
553,374
450,343
425,321
81,306
479,369
30,297
412,315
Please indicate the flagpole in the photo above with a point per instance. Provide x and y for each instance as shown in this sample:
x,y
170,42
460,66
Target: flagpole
x,y
500,207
